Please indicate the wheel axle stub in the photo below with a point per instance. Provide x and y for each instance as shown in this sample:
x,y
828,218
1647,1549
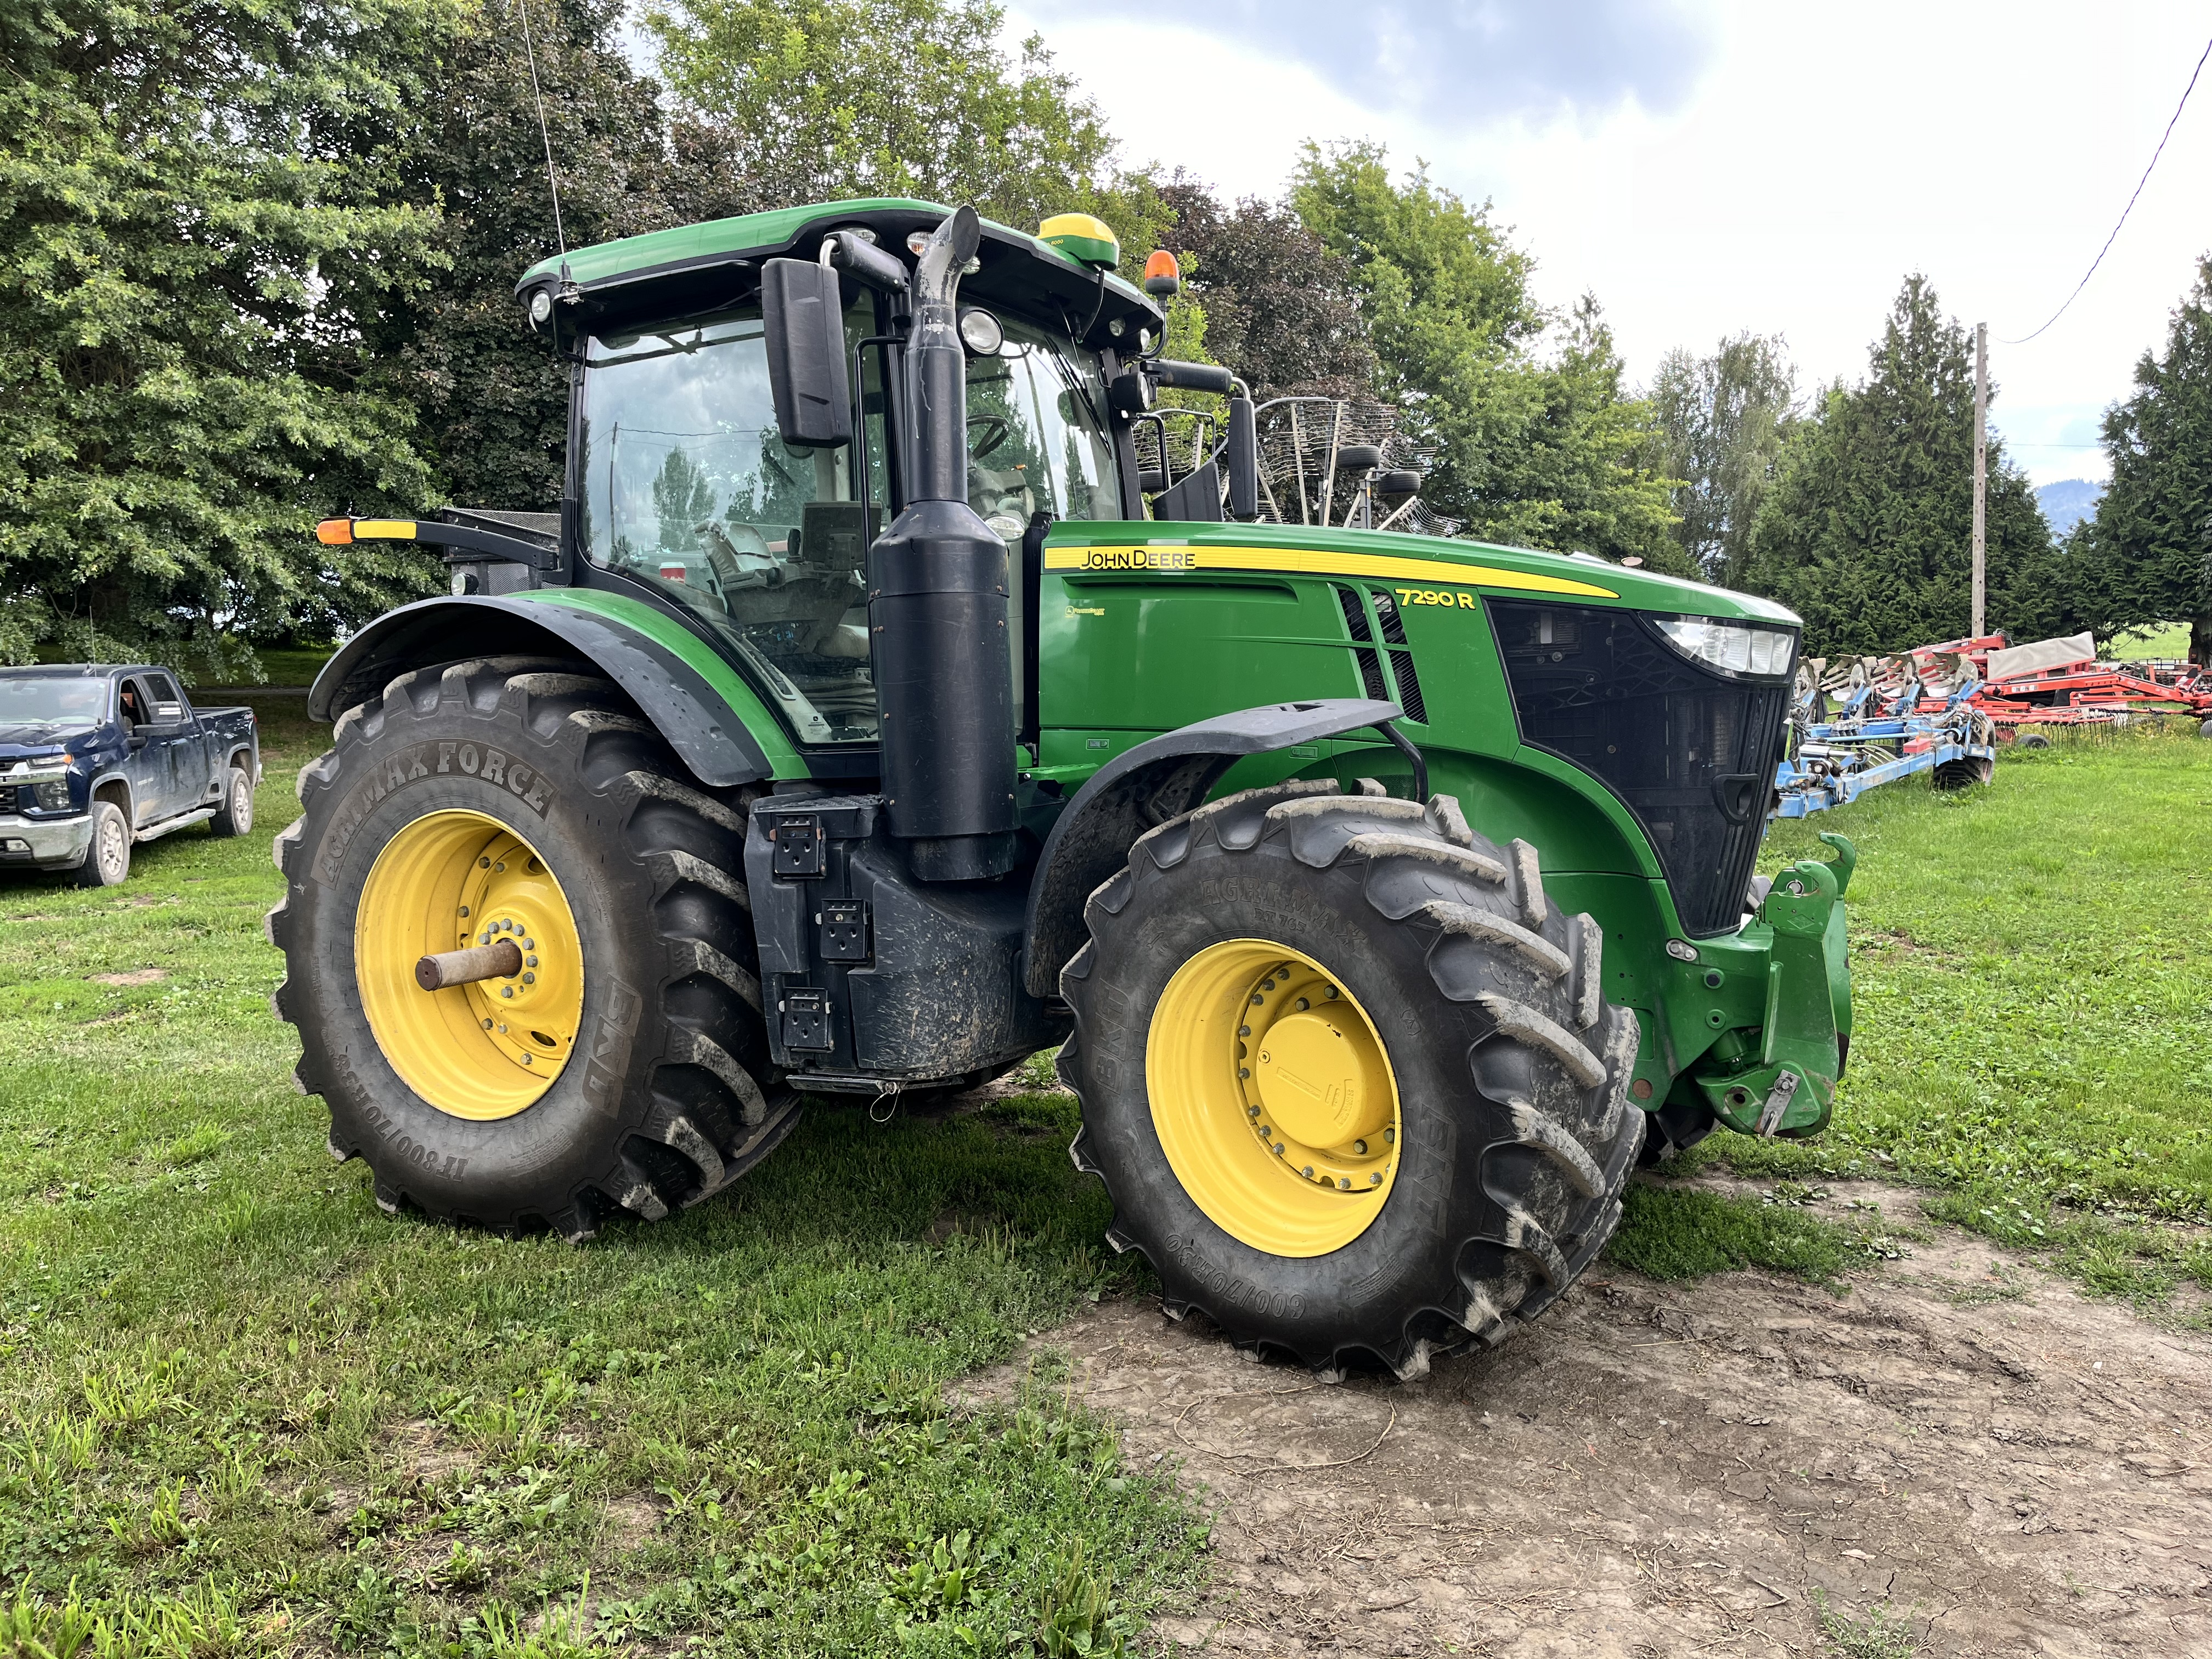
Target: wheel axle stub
x,y
446,968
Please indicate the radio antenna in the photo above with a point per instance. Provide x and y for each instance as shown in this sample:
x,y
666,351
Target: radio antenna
x,y
537,94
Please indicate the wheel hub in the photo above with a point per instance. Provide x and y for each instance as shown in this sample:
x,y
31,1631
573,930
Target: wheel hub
x,y
1273,1096
489,1048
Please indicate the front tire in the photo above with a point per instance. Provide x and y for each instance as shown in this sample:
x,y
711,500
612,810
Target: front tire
x,y
108,855
627,1068
1455,1140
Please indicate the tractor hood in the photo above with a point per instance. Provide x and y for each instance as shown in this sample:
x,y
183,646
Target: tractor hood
x,y
1387,557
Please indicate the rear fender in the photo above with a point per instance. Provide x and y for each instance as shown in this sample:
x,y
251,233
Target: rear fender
x,y
1145,787
710,727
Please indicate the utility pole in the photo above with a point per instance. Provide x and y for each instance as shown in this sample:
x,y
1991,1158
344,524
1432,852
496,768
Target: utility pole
x,y
1981,463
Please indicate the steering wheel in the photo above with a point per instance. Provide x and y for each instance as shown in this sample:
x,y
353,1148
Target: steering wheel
x,y
985,434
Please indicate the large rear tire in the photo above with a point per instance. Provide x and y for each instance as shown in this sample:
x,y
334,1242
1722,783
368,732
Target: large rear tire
x,y
1390,1000
625,1066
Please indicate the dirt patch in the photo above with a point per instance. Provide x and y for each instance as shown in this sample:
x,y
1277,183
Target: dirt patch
x,y
136,976
425,1452
628,1521
1649,1469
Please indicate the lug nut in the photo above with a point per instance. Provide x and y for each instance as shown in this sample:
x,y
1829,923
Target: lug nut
x,y
499,866
483,863
1390,1135
486,1025
1252,1111
530,979
1278,1149
1243,1072
502,1031
1257,999
1243,1030
525,1060
1344,1183
1329,990
530,945
1307,1172
1360,1147
465,909
528,962
1375,1180
507,990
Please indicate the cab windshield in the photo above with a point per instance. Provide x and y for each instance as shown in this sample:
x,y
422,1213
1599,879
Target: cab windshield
x,y
687,487
50,700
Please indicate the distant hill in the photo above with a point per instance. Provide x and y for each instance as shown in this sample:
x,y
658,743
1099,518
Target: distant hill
x,y
2068,501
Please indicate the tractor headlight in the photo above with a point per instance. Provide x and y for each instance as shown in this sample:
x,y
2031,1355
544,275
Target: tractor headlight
x,y
980,333
541,307
1737,647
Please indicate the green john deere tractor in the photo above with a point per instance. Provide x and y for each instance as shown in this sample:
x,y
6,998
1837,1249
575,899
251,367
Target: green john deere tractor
x,y
871,716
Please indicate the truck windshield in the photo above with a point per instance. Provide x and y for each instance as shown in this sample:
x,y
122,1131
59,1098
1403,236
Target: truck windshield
x,y
687,487
50,700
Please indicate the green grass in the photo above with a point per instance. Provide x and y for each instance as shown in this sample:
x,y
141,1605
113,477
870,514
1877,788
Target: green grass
x,y
240,1411
2033,977
2162,640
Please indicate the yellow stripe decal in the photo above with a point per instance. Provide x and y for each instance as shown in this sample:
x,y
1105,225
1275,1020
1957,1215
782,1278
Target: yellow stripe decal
x,y
384,530
1311,562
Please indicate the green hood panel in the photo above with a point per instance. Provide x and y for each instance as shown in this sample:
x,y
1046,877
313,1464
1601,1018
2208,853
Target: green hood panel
x,y
1169,549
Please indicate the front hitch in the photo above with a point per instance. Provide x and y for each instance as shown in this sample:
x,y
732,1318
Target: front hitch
x,y
1787,1086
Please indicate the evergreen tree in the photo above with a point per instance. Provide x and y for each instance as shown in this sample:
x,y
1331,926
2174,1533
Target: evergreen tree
x,y
199,206
1868,532
1550,453
1721,422
2151,541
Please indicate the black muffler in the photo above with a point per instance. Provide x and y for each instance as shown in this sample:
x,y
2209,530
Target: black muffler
x,y
937,610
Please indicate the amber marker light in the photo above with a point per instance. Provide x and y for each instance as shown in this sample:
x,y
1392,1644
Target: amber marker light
x,y
335,533
1163,276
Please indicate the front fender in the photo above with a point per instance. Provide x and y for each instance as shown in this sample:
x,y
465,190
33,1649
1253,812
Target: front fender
x,y
713,720
1148,785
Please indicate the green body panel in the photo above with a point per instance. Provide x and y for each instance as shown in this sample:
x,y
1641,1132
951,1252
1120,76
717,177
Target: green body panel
x,y
1143,627
784,760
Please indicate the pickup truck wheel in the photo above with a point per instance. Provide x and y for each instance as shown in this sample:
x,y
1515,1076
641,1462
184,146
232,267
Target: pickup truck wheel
x,y
616,1060
107,855
234,817
1350,1080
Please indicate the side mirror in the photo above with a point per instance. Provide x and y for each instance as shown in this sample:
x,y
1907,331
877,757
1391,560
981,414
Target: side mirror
x,y
807,376
1241,452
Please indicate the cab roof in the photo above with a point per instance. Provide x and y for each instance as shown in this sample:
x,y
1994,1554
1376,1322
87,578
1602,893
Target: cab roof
x,y
642,275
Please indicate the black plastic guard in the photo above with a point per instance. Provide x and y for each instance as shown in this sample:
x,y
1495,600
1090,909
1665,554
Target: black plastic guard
x,y
1147,786
706,735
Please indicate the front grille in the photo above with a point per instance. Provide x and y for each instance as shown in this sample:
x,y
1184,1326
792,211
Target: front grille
x,y
1691,751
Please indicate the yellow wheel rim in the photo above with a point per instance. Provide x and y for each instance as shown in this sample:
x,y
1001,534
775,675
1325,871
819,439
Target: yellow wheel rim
x,y
488,1050
1272,1097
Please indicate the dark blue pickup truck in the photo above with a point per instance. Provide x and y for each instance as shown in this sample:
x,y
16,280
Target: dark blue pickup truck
x,y
95,756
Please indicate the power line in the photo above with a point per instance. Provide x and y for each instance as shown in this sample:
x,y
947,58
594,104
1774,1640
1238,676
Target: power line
x,y
2126,210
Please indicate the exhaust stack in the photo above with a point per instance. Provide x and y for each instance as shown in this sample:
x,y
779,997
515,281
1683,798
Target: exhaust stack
x,y
937,610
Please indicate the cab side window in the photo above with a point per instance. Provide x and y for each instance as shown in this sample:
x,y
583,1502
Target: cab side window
x,y
161,689
133,703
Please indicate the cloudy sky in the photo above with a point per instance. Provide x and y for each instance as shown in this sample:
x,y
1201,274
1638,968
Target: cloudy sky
x,y
1706,166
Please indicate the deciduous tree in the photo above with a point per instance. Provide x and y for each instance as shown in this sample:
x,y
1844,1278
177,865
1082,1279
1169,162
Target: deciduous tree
x,y
1721,421
1548,452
